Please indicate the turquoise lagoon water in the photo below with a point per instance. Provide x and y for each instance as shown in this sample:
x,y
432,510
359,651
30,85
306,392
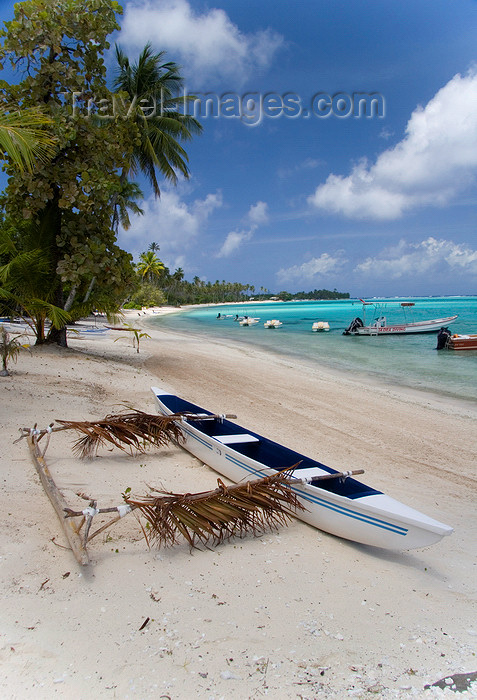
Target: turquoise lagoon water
x,y
409,360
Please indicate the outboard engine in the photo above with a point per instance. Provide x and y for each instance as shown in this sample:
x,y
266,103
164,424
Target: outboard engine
x,y
442,337
355,323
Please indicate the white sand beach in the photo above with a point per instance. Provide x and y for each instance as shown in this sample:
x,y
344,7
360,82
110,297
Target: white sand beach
x,y
295,613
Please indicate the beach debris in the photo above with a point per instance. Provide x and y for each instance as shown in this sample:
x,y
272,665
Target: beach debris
x,y
219,515
458,682
144,623
229,676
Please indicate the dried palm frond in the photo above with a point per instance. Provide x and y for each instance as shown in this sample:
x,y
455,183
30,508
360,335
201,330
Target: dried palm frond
x,y
129,431
228,511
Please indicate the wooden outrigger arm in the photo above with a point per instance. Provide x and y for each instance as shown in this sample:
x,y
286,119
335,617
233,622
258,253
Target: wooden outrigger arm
x,y
58,502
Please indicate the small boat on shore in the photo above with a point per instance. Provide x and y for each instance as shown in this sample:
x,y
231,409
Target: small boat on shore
x,y
320,326
273,323
380,326
334,501
456,341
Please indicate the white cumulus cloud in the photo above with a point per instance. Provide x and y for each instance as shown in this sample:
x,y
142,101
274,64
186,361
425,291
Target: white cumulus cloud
x,y
258,213
233,241
420,259
323,266
172,223
435,161
207,43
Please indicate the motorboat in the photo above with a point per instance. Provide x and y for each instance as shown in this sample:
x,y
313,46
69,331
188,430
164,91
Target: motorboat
x,y
380,326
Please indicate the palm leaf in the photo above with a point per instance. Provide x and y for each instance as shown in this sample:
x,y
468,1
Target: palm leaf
x,y
23,138
128,431
216,516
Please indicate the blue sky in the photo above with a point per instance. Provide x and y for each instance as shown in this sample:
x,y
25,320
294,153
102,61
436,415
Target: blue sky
x,y
372,205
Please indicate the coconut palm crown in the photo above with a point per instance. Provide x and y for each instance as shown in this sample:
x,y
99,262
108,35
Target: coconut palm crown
x,y
154,82
149,265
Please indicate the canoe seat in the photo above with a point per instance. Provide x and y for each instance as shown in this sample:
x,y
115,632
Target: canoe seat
x,y
308,473
235,439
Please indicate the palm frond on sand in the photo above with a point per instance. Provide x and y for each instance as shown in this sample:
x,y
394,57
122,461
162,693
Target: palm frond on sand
x,y
216,516
132,431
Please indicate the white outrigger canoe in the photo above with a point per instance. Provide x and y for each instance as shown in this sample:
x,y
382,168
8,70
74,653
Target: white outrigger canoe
x,y
341,506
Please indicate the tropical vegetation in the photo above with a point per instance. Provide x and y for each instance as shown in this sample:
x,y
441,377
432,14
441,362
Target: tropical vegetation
x,y
69,187
157,285
314,294
10,346
71,164
152,90
23,137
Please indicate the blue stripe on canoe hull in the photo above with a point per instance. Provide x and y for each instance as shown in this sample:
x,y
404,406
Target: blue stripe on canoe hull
x,y
196,437
370,520
396,529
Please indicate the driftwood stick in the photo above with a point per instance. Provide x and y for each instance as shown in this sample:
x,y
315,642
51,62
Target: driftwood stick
x,y
104,527
58,502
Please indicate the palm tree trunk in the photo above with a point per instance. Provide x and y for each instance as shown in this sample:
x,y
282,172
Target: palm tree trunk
x,y
90,289
71,297
39,330
57,335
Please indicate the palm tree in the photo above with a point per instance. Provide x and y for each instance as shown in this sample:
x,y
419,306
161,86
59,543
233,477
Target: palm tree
x,y
10,346
178,274
23,138
27,276
156,83
124,200
149,265
154,247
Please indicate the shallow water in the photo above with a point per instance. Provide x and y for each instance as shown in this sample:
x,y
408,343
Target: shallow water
x,y
408,360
